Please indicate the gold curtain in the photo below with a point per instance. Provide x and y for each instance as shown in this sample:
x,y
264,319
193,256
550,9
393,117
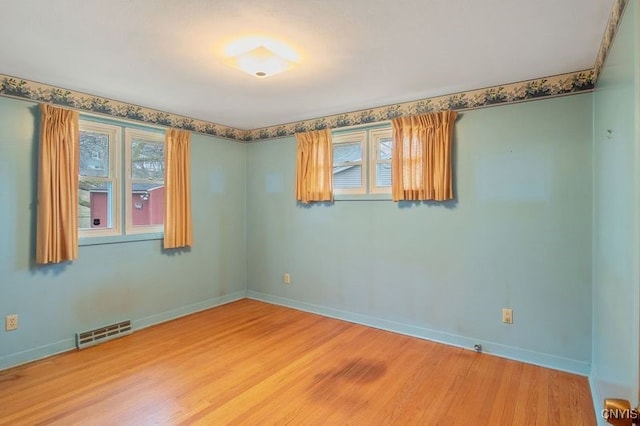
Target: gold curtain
x,y
57,211
177,186
314,166
421,157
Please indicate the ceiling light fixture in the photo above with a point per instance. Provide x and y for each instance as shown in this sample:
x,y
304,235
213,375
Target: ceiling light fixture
x,y
260,56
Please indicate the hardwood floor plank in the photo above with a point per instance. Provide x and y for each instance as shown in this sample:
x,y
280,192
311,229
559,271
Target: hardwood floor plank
x,y
251,363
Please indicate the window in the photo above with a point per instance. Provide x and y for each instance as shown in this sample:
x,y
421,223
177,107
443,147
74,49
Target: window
x,y
380,161
99,179
348,165
121,182
362,162
145,181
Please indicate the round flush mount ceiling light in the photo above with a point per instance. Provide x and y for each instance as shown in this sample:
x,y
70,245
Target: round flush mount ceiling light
x,y
260,56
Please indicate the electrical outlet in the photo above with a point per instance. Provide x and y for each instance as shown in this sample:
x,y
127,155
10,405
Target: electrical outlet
x,y
11,322
287,278
507,316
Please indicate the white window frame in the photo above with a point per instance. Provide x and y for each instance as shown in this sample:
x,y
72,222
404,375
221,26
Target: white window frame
x,y
374,145
356,137
113,205
147,137
369,138
119,168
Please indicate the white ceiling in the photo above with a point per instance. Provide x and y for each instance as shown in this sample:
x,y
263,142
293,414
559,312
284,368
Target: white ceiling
x,y
166,54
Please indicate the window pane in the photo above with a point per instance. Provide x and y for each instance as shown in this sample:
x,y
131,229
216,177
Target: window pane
x,y
147,204
347,153
383,174
95,200
147,160
94,154
384,149
346,176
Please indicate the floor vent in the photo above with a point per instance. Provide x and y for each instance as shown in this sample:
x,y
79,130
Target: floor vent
x,y
102,334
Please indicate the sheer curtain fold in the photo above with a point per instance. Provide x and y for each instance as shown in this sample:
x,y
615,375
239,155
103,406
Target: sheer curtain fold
x,y
177,214
314,166
57,208
421,157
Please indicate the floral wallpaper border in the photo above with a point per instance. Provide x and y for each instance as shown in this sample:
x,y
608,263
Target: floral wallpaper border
x,y
609,34
558,85
516,92
39,92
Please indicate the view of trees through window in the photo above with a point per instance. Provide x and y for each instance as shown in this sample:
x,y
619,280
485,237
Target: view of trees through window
x,y
147,160
94,154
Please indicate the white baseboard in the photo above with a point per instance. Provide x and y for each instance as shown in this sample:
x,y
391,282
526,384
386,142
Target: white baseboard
x,y
30,355
531,357
597,399
504,351
187,310
34,354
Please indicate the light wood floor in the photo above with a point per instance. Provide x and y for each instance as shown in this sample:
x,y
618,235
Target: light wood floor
x,y
253,363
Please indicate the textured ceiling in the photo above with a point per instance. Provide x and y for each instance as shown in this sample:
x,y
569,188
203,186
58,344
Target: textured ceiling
x,y
167,54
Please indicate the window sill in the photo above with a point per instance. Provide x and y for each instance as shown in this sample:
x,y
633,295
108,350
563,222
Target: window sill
x,y
362,197
92,241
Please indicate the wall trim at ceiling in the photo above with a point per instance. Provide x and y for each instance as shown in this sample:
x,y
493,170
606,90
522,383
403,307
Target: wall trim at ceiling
x,y
15,87
558,85
608,36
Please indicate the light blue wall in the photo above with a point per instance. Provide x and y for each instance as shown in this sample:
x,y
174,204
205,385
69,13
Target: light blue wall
x,y
112,282
518,236
616,254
